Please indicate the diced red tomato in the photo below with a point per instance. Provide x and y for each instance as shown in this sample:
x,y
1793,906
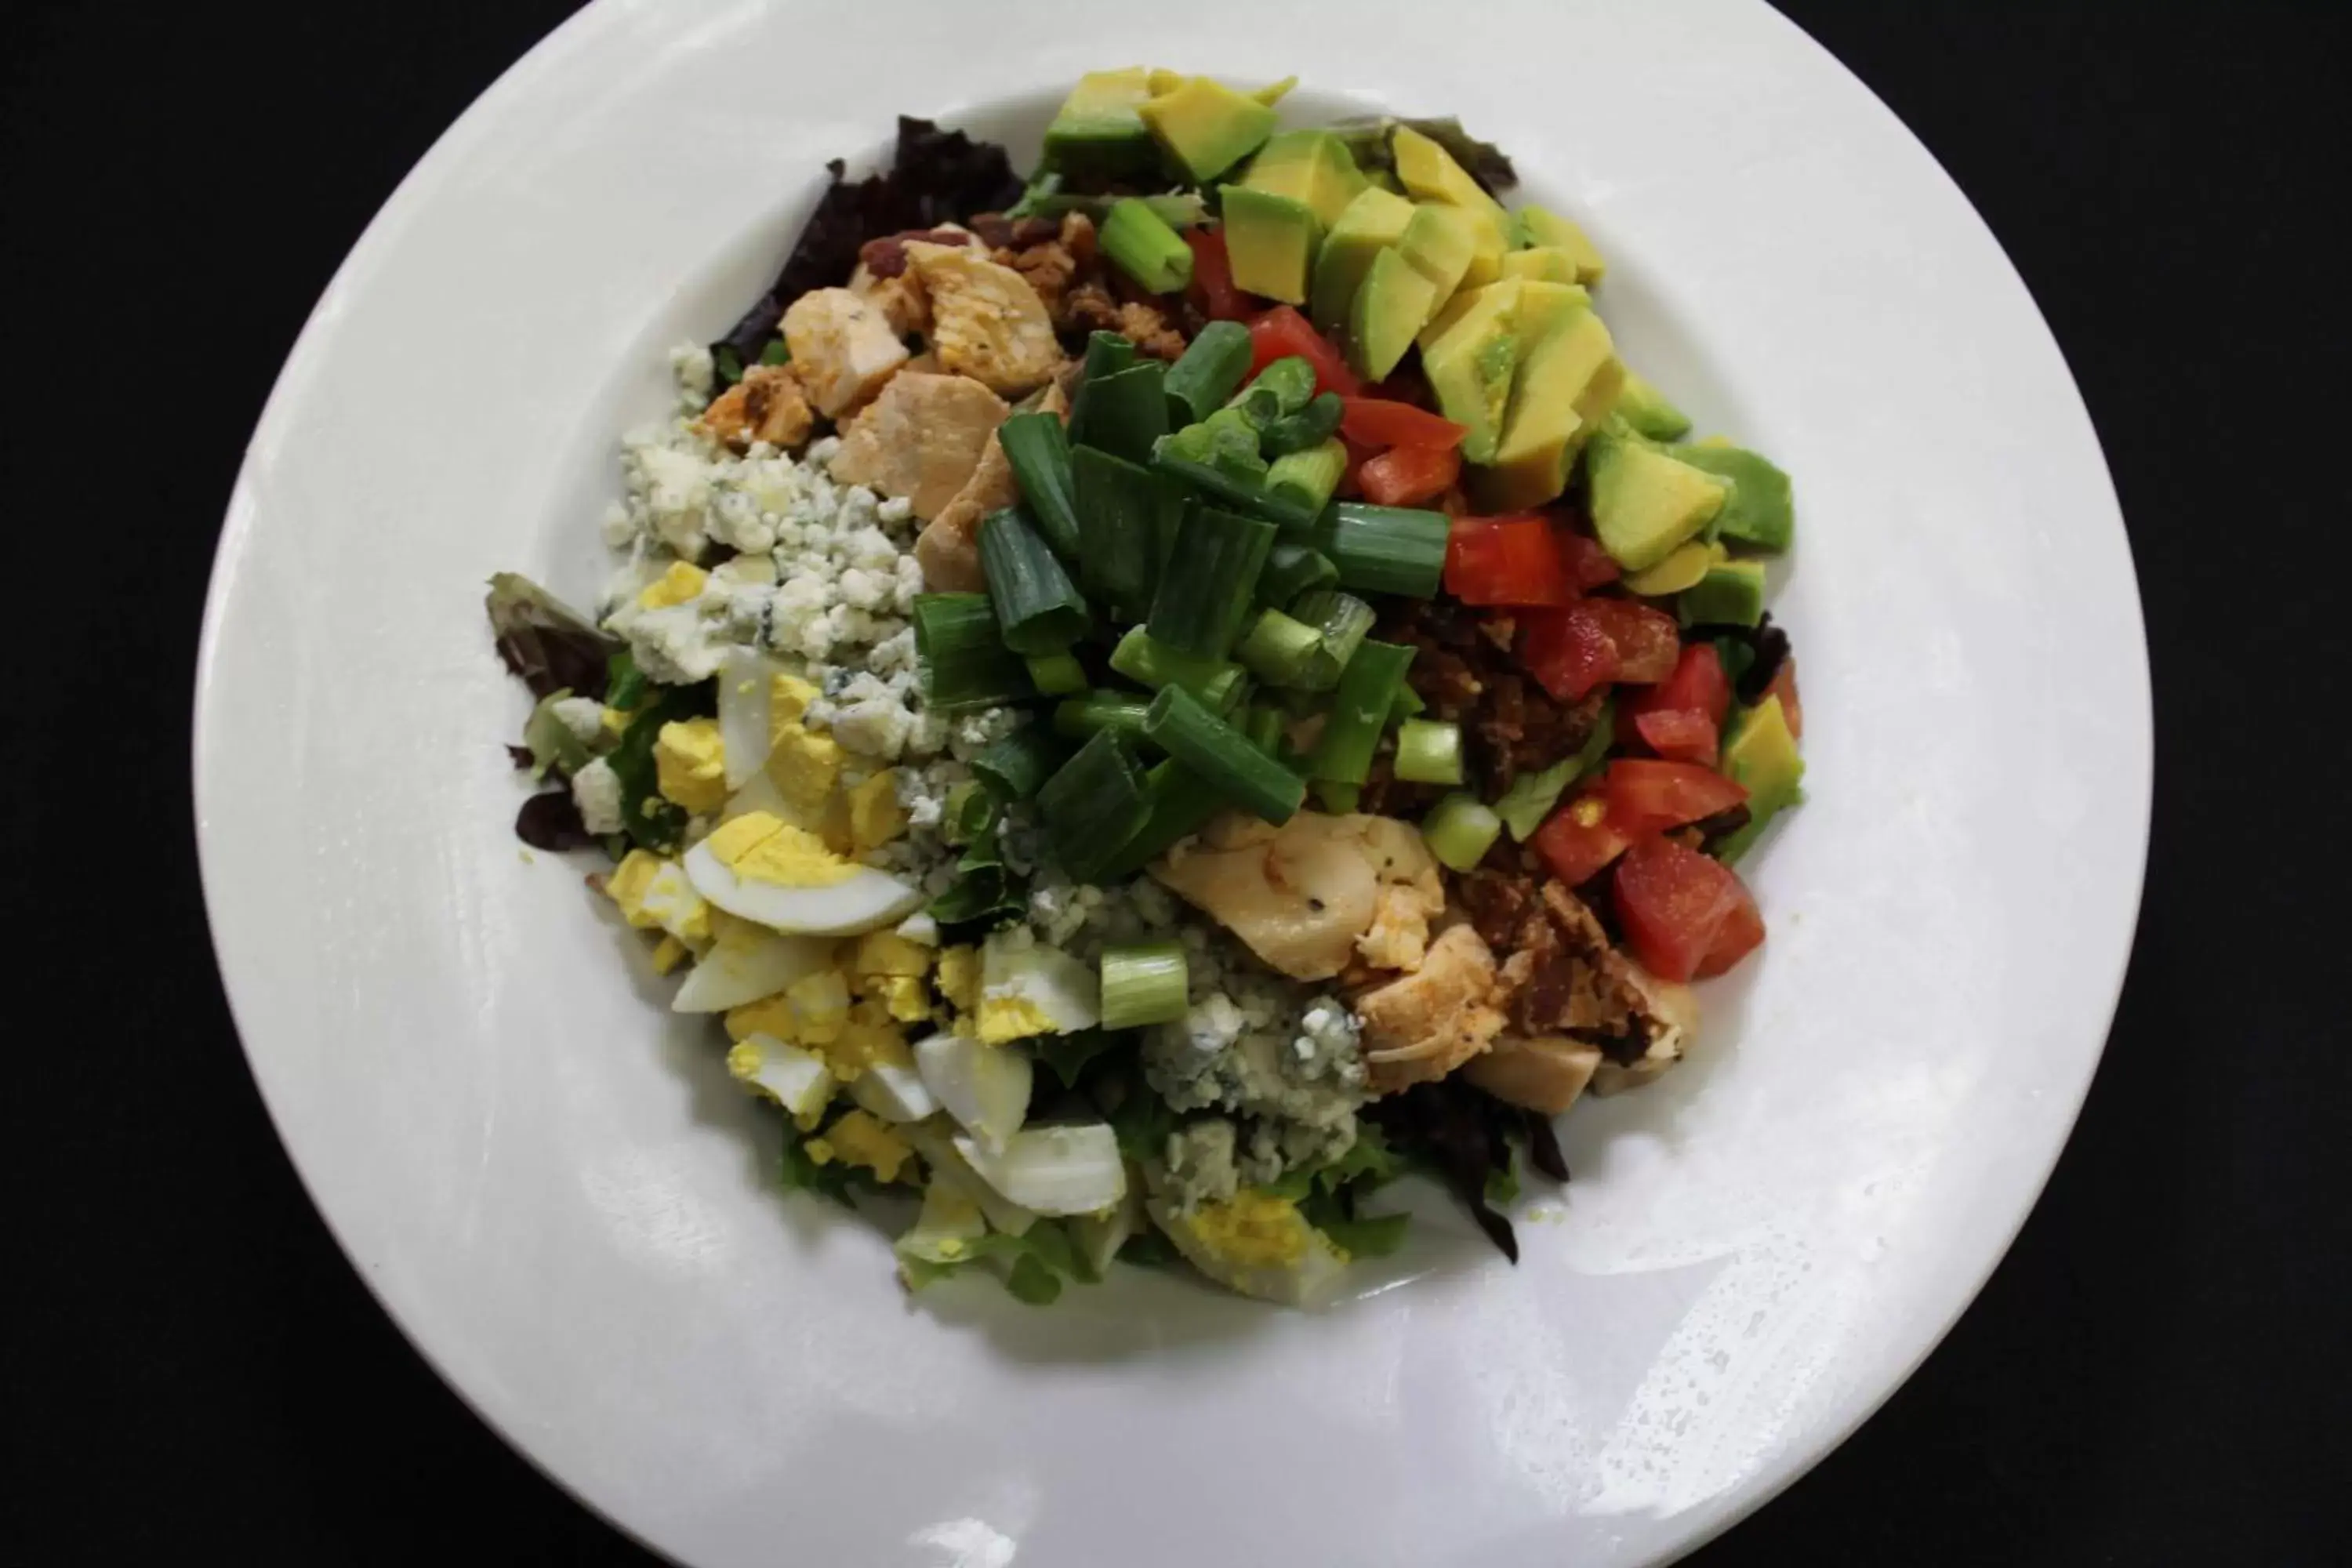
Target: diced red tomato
x,y
1784,686
1697,685
1587,562
1651,794
1213,279
1512,560
1648,644
1381,422
1742,934
1579,840
1685,914
1682,734
1282,331
1566,649
1409,476
1352,478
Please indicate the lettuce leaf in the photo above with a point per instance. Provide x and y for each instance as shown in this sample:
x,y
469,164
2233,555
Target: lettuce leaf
x,y
1482,160
545,643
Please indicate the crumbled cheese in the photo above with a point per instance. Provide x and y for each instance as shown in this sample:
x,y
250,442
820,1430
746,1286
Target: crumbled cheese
x,y
596,790
583,717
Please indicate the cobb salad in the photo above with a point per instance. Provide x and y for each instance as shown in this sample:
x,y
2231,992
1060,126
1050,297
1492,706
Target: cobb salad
x,y
1150,700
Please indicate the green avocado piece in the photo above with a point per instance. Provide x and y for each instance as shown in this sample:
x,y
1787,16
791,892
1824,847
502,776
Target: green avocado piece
x,y
1566,380
1761,512
1206,126
1534,226
1430,173
1645,501
1375,220
1646,410
1730,595
1097,128
1271,242
1544,306
1440,241
1310,166
1469,354
1547,262
1762,756
1391,306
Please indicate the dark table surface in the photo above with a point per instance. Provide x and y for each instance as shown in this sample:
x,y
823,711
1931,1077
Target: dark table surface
x,y
2155,1374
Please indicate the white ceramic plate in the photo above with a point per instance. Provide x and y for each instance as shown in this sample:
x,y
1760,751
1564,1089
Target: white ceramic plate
x,y
562,1200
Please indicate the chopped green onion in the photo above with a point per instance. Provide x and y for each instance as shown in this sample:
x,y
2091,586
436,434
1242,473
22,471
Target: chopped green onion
x,y
1263,723
727,365
1145,660
1285,386
1383,549
1459,831
1206,589
1108,353
1082,718
1123,413
777,352
1338,798
970,811
1408,703
1037,607
1038,449
1094,806
1211,368
1119,527
1223,756
1141,245
1428,751
1531,797
1277,649
1143,984
1308,478
1018,764
1292,569
1309,428
965,662
1341,622
1058,674
1359,712
1181,805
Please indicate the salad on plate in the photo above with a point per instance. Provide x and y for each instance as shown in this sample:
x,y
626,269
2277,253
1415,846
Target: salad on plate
x,y
1152,700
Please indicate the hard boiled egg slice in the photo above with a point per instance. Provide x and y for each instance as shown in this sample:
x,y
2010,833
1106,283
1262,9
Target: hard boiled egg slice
x,y
984,1088
762,869
747,962
1026,990
788,1075
1256,1244
894,1093
1052,1170
942,1234
934,1141
746,689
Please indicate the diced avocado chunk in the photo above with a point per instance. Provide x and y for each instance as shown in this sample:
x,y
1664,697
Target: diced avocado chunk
x,y
1430,173
1731,594
1440,241
1566,381
1375,220
1761,512
1762,756
1206,126
1469,354
1547,262
1645,501
1097,128
1310,166
1270,241
1544,306
1685,568
1273,92
1391,306
1646,408
1533,227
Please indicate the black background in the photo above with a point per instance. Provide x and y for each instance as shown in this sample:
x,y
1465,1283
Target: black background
x,y
2155,1375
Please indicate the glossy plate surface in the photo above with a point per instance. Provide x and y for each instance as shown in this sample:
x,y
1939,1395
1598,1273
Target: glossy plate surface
x,y
561,1197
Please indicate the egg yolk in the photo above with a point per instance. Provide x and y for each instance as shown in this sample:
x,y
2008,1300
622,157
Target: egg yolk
x,y
760,847
691,764
681,584
1252,1230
